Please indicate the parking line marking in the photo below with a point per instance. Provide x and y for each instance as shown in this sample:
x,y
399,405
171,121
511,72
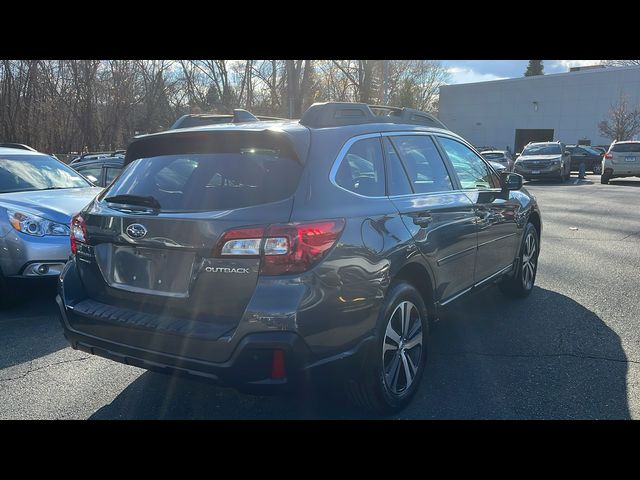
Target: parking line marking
x,y
576,182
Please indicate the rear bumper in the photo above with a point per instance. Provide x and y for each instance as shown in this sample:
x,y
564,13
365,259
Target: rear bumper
x,y
249,368
622,170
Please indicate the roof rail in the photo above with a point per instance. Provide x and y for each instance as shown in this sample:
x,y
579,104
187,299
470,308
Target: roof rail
x,y
334,114
20,146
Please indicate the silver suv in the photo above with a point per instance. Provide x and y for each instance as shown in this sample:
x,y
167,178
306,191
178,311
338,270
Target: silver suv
x,y
38,197
544,160
621,160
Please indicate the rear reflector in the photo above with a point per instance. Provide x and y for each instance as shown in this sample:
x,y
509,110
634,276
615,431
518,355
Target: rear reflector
x,y
277,365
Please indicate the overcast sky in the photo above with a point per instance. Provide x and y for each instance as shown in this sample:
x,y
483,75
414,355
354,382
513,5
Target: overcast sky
x,y
469,71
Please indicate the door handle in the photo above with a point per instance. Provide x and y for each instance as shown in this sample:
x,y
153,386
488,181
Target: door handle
x,y
422,220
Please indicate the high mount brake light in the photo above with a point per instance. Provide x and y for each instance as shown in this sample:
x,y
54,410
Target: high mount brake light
x,y
283,248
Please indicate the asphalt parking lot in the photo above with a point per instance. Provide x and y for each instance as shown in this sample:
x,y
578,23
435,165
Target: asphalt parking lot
x,y
569,351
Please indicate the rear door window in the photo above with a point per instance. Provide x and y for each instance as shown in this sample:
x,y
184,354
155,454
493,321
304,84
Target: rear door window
x,y
211,181
423,163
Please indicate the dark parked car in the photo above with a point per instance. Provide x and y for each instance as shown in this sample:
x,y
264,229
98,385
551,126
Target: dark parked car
x,y
85,157
100,171
500,156
19,146
266,254
544,160
582,153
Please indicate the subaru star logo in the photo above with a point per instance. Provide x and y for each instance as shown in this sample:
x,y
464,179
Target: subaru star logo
x,y
136,231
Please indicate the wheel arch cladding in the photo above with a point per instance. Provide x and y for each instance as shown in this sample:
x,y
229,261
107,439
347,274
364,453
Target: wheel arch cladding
x,y
418,276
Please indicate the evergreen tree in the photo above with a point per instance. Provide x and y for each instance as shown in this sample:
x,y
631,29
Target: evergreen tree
x,y
535,67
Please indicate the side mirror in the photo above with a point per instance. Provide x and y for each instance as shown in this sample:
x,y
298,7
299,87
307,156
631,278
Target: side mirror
x,y
511,181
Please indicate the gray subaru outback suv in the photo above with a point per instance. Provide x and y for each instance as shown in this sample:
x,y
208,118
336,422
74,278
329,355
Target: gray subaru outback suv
x,y
264,254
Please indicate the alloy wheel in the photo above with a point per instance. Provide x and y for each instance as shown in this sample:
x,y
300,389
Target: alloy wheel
x,y
529,260
402,348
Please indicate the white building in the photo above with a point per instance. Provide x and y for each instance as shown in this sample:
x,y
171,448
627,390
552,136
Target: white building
x,y
515,111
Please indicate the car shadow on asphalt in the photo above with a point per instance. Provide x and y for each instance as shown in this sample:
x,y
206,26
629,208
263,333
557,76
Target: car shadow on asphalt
x,y
626,183
31,329
568,183
544,357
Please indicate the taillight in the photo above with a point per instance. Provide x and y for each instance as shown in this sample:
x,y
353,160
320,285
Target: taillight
x,y
284,248
296,247
608,156
240,242
78,232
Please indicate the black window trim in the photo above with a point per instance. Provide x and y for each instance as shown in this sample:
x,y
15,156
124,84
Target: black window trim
x,y
386,167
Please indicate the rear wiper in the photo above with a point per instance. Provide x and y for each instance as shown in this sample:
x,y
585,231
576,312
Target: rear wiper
x,y
147,201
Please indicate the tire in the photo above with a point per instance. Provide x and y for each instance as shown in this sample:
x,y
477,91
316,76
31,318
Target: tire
x,y
520,284
381,385
604,179
596,168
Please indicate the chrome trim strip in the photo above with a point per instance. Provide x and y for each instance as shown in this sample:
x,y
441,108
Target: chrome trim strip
x,y
345,148
466,290
499,272
444,259
496,239
451,299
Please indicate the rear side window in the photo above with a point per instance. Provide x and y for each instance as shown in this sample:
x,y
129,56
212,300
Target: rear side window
x,y
111,174
362,169
239,178
93,173
626,147
423,163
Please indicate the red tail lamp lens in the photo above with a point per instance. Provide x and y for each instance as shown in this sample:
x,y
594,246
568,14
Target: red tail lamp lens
x,y
307,244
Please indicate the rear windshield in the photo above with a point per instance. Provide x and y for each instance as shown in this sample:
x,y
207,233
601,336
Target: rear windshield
x,y
542,149
626,147
493,156
211,181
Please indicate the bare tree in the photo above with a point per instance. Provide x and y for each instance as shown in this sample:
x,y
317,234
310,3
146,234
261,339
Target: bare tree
x,y
623,122
620,63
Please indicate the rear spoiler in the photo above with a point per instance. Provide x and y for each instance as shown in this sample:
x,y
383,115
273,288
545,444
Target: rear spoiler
x,y
205,141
